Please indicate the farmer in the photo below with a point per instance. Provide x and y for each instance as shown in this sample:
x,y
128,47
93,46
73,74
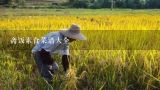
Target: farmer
x,y
55,42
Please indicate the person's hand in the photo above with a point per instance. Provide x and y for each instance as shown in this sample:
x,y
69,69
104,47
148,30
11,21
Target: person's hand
x,y
54,67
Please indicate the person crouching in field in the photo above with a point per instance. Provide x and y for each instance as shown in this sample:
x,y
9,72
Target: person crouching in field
x,y
55,42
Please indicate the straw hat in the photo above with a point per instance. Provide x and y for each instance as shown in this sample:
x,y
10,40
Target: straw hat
x,y
73,32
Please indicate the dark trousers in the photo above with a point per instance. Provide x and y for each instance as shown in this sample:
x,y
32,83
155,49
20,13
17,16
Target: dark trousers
x,y
44,62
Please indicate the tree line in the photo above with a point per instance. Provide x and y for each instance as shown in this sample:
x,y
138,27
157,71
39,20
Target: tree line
x,y
135,4
139,4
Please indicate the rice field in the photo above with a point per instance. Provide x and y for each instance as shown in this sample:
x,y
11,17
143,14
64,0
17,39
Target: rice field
x,y
98,22
121,52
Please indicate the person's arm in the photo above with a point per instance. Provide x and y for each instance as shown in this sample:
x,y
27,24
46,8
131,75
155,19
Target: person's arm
x,y
65,62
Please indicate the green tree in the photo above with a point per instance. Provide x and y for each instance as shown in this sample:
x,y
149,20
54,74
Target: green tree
x,y
153,3
80,3
6,1
120,3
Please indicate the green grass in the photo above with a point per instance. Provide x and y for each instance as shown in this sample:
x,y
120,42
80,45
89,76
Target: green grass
x,y
30,12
